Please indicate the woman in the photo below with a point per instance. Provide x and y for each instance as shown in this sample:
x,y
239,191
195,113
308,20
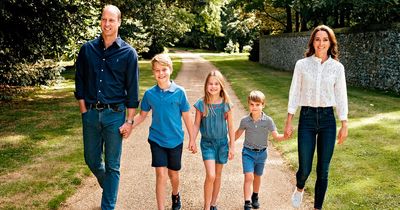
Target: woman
x,y
318,85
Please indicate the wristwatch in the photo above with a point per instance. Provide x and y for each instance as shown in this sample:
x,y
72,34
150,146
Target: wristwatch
x,y
129,121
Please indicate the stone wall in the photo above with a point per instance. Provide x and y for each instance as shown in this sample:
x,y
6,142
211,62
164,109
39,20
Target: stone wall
x,y
371,59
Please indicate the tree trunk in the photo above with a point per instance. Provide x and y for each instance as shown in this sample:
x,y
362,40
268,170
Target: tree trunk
x,y
303,23
288,19
335,17
297,21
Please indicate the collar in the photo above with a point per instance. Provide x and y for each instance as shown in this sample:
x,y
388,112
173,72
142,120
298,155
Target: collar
x,y
319,60
118,42
171,88
263,117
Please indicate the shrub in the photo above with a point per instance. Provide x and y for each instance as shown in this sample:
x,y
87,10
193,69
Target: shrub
x,y
247,48
232,47
43,72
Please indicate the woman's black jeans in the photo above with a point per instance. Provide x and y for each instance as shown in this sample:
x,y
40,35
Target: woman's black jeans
x,y
317,128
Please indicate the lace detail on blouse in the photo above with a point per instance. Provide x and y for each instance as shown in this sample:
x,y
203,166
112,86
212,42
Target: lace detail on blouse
x,y
319,85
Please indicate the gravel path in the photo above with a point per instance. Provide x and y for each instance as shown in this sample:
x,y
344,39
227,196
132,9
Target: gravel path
x,y
137,184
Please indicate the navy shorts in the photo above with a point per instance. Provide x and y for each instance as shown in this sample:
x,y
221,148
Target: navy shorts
x,y
166,157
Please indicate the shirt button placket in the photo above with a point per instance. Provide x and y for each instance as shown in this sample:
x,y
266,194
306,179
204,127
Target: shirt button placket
x,y
101,78
318,86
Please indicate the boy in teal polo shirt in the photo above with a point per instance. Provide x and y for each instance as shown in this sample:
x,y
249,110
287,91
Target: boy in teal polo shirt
x,y
169,104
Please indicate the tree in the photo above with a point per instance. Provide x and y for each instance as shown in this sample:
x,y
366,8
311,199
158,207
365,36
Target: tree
x,y
37,30
152,25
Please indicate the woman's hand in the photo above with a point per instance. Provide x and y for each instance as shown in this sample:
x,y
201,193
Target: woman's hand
x,y
288,131
343,132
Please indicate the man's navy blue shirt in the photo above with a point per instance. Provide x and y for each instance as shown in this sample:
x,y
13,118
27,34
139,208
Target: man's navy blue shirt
x,y
108,76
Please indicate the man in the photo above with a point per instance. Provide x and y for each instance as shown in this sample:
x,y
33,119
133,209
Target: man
x,y
106,85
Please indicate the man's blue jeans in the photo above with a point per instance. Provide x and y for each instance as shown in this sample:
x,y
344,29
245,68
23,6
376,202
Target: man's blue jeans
x,y
317,128
101,131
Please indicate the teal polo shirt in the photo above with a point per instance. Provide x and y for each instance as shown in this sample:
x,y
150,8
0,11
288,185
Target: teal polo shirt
x,y
167,107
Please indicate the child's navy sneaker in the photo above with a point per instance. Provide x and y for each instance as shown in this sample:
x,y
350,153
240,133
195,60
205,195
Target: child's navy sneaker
x,y
254,202
176,202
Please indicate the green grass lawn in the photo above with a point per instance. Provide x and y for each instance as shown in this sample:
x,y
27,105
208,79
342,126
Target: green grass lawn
x,y
41,155
365,171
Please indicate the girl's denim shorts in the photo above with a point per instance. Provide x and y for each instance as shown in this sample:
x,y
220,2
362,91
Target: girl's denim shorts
x,y
215,149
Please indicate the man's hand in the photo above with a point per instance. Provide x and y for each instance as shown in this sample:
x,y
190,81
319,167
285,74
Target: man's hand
x,y
125,130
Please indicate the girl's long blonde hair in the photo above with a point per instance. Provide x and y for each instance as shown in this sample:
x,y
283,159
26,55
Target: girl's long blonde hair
x,y
222,93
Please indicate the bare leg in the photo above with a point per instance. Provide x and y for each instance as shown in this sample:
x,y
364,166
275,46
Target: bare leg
x,y
174,178
209,182
161,182
248,180
256,183
217,183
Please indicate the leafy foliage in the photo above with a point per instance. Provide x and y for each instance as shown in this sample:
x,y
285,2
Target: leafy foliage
x,y
152,25
34,31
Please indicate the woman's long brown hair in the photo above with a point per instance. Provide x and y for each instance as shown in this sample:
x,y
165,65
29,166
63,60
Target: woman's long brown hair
x,y
333,48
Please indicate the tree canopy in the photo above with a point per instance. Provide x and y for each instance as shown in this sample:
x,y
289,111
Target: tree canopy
x,y
34,31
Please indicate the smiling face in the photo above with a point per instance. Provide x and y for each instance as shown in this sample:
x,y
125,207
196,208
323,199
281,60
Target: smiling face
x,y
110,22
162,73
321,44
213,86
255,108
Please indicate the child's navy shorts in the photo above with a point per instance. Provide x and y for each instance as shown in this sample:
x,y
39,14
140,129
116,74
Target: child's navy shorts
x,y
166,157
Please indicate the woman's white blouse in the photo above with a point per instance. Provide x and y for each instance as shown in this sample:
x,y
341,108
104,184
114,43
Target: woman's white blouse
x,y
319,85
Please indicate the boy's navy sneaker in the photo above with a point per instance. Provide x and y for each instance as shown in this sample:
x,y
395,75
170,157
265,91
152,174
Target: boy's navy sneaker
x,y
254,202
213,207
176,202
247,206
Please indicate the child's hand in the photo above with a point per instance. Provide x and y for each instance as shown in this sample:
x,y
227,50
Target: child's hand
x,y
231,154
192,147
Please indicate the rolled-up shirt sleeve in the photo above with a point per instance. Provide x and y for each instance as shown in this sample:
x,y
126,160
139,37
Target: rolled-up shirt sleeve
x,y
132,81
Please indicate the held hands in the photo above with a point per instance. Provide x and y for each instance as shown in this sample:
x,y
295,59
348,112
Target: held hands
x,y
231,153
192,147
288,131
125,130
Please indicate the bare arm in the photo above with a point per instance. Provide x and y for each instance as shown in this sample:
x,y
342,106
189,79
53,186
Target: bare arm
x,y
196,125
231,134
238,133
189,127
277,136
139,118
